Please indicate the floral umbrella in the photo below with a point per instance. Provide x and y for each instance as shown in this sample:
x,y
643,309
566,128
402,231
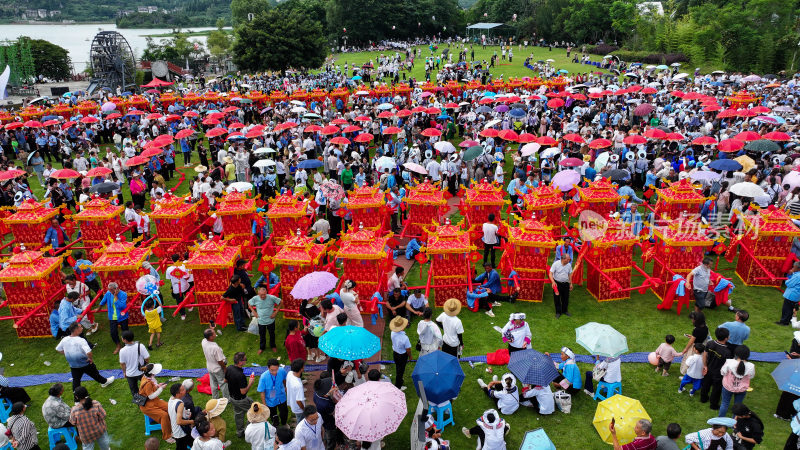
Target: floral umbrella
x,y
332,190
370,411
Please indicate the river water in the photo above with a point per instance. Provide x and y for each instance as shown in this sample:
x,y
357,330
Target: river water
x,y
77,38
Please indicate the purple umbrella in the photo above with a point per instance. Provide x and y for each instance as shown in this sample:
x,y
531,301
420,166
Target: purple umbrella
x,y
566,179
108,106
705,175
314,284
501,108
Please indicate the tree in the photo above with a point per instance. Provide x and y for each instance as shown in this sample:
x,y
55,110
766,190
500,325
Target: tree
x,y
279,39
242,9
219,43
623,17
50,60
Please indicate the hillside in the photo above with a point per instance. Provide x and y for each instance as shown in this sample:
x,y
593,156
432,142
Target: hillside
x,y
135,12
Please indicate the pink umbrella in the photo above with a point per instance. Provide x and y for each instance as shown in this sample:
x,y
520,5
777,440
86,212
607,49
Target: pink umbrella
x,y
371,411
530,148
468,143
314,284
572,162
566,179
416,168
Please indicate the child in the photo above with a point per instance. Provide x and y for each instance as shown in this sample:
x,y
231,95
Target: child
x,y
153,318
294,343
666,354
694,370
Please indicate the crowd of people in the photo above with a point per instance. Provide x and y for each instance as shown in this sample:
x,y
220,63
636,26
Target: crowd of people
x,y
285,148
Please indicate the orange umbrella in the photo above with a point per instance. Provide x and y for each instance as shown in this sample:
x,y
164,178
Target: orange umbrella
x,y
339,140
576,138
63,174
98,172
600,143
391,130
431,132
136,161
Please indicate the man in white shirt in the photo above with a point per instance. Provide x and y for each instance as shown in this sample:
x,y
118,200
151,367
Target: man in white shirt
x,y
540,397
560,275
132,357
322,226
215,364
433,169
79,357
452,338
396,280
309,430
295,396
490,238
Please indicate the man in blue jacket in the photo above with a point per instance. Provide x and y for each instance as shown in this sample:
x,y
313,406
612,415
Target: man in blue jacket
x,y
68,312
116,301
791,296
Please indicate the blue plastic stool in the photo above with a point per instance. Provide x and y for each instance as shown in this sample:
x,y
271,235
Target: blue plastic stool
x,y
438,412
7,447
611,390
5,409
68,433
149,426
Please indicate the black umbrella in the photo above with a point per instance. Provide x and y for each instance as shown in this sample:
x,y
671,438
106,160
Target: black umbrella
x,y
762,145
617,175
104,188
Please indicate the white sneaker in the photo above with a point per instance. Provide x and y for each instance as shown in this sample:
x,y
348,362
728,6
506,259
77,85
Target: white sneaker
x,y
490,313
680,391
481,383
226,444
109,380
183,317
497,304
494,377
219,332
465,430
403,388
588,392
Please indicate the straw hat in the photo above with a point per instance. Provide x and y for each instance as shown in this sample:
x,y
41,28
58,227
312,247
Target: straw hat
x,y
216,406
452,307
398,324
258,413
228,160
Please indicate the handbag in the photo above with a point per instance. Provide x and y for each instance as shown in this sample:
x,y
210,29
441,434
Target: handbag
x,y
563,401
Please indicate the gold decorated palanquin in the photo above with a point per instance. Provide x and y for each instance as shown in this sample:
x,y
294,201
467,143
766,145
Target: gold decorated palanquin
x,y
741,99
365,259
678,249
367,205
678,198
212,263
298,256
31,113
87,107
29,280
527,253
175,218
546,204
768,238
600,196
286,214
62,110
448,250
610,254
482,199
191,98
557,83
168,98
425,203
30,222
121,262
99,221
236,211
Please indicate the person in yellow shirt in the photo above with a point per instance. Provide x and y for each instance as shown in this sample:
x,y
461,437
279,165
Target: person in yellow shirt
x,y
153,318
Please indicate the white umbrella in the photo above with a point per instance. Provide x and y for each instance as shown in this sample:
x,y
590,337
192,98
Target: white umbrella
x,y
594,90
263,151
675,64
298,109
491,123
385,106
385,162
680,76
239,186
444,147
297,103
362,93
550,152
264,163
747,189
792,179
550,60
751,79
416,168
601,161
530,148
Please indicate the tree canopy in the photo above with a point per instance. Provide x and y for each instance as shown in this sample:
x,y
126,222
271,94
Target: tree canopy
x,y
50,60
279,39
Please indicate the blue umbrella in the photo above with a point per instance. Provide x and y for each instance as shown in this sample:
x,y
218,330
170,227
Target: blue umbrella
x,y
483,109
356,78
532,367
444,117
488,94
309,164
441,375
725,164
349,343
517,112
787,376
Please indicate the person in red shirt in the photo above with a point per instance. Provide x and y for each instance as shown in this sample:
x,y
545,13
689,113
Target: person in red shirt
x,y
643,440
294,343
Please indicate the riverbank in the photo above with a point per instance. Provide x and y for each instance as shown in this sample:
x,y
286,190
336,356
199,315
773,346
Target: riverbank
x,y
187,33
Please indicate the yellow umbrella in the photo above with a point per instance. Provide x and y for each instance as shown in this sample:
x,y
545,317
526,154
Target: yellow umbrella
x,y
626,412
746,162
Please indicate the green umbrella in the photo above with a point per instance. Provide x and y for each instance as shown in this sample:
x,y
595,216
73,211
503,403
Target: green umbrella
x,y
600,339
245,101
472,153
763,146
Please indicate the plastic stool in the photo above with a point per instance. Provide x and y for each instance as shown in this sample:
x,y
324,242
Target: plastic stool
x,y
438,412
611,390
7,447
5,409
149,426
68,433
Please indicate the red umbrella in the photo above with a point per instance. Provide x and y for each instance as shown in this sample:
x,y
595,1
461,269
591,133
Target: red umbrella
x,y
67,124
364,138
704,140
490,132
230,109
339,140
50,122
525,138
311,129
508,135
330,129
621,92
155,82
579,97
451,105
419,109
285,126
11,174
486,101
655,133
643,109
748,136
648,90
155,144
727,113
63,174
546,140
214,132
433,111
367,119
555,103
137,160
678,94
167,139
712,108
210,121
576,138
33,124
600,143
338,121
391,130
634,139
760,109
252,134
385,115
777,136
674,137
234,134
571,162
191,114
154,116
746,113
351,129
468,143
184,133
235,126
634,88
90,119
431,132
730,145
135,112
113,116
402,113
152,151
14,125
216,115
172,118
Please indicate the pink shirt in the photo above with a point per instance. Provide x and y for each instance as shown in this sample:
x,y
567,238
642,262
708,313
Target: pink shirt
x,y
330,318
666,352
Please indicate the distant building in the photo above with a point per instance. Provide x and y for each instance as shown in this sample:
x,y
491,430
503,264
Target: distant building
x,y
147,9
54,13
42,13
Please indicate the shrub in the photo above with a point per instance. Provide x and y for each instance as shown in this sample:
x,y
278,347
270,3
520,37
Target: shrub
x,y
601,49
651,58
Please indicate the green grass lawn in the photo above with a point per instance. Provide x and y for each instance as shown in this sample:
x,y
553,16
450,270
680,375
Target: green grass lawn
x,y
637,318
